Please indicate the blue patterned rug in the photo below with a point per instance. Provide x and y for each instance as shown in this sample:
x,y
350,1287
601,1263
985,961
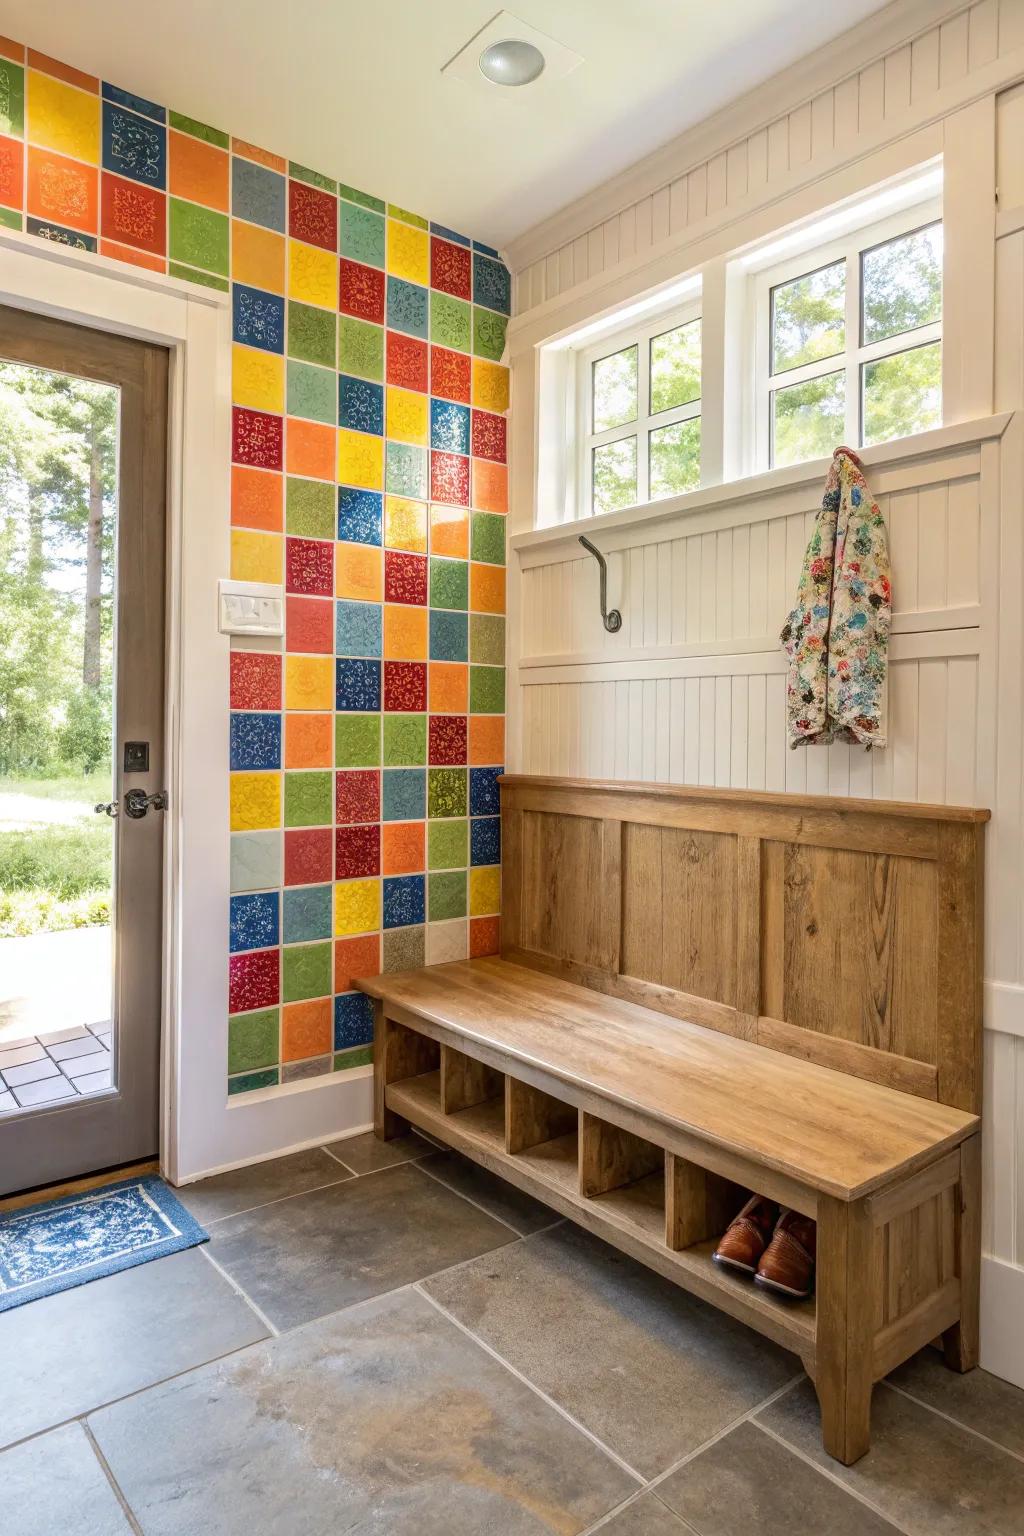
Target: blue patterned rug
x,y
59,1244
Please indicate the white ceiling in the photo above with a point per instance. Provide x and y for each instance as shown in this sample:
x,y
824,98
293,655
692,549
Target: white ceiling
x,y
354,88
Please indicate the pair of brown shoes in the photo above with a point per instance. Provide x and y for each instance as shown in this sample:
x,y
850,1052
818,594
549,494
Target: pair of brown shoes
x,y
776,1247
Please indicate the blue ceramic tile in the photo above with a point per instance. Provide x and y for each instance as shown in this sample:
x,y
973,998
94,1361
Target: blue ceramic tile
x,y
360,515
306,913
488,250
449,234
61,235
404,794
257,194
360,405
449,636
133,146
449,426
258,318
491,284
353,1020
405,472
484,798
404,901
255,740
407,307
254,921
357,684
358,629
485,840
133,103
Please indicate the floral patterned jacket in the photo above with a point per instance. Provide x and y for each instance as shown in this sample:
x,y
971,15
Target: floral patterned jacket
x,y
837,636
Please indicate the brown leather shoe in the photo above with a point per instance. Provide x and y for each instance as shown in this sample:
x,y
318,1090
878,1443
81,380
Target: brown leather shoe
x,y
787,1264
748,1235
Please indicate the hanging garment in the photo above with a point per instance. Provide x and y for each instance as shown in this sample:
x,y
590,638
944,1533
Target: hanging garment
x,y
837,636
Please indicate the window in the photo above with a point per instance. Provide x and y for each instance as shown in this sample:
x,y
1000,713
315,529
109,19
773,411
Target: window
x,y
638,420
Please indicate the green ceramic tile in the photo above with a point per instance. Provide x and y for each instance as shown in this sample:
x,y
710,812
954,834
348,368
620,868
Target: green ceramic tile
x,y
449,583
360,348
407,217
308,800
406,471
250,1081
10,219
446,895
357,741
487,639
487,690
191,275
306,971
311,334
362,235
313,393
12,98
199,236
405,740
312,178
309,508
446,792
446,844
359,1056
364,199
199,130
488,537
449,322
253,1040
404,949
489,333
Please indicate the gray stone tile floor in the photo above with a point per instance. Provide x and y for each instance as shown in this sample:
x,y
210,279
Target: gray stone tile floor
x,y
61,1064
384,1340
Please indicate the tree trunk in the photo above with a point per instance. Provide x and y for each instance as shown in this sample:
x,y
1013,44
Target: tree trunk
x,y
93,570
34,568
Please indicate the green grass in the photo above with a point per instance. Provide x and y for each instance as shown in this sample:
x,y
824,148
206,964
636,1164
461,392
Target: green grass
x,y
55,876
87,787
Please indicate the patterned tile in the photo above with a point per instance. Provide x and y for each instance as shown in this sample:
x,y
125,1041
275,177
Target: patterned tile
x,y
405,577
359,629
487,690
256,439
309,506
255,680
447,844
198,236
449,531
446,794
308,856
408,361
406,472
447,895
357,740
405,740
311,393
254,980
312,334
489,436
362,235
485,840
450,269
360,405
449,478
450,326
489,334
257,194
484,936
353,1020
307,1028
253,1040
254,921
357,907
356,851
405,524
404,794
405,686
255,800
357,797
360,515
354,958
484,794
307,799
484,891
407,307
447,739
134,147
449,583
357,685
255,740
449,426
308,741
487,639
404,948
312,216
361,291
307,970
402,847
491,284
309,567
359,573
487,541
360,348
404,900
449,375
308,682
306,913
308,627
449,687
449,636
405,632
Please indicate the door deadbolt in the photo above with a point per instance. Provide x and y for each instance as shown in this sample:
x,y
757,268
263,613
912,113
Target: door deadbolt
x,y
137,802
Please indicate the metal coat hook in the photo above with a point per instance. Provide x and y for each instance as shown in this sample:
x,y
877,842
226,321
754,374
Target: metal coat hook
x,y
612,621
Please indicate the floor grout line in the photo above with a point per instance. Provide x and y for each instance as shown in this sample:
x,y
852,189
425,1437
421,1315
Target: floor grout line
x,y
469,1200
855,1493
213,1221
727,1429
115,1486
271,1328
949,1418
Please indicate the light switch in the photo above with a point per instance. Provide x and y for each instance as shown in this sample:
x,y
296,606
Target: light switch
x,y
250,608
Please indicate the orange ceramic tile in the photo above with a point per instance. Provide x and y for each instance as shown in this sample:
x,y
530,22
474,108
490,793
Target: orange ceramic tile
x,y
405,632
487,740
448,685
198,171
307,1029
486,588
63,190
256,498
309,682
310,447
308,741
261,156
62,71
402,847
12,50
449,532
257,256
12,173
354,958
490,486
137,258
484,936
359,572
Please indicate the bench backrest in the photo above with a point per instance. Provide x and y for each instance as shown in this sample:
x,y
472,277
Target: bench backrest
x,y
847,932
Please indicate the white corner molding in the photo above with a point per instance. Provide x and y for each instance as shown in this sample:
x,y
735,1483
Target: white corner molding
x,y
1004,1008
1002,1308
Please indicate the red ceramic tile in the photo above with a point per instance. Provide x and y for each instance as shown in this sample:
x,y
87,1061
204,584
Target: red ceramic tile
x,y
450,374
405,577
309,567
484,936
12,173
489,436
309,625
354,958
253,980
256,438
312,215
356,852
451,268
308,856
405,686
255,680
448,742
407,362
357,796
449,479
361,291
133,214
60,71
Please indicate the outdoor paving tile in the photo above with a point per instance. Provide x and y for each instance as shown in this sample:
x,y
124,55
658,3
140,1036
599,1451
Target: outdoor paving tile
x,y
64,1050
365,1154
66,1354
55,1486
978,1399
82,1066
650,1371
245,1188
18,1056
30,1072
384,1419
48,1091
499,1199
7,1103
60,1036
931,1477
95,1082
747,1470
646,1516
321,1251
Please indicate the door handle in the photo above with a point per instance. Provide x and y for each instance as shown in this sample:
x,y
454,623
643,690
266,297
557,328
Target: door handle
x,y
137,802
108,808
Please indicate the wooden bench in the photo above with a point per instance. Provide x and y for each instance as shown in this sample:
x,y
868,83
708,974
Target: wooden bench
x,y
704,992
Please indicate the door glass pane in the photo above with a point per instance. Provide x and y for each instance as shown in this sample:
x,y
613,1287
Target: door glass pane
x,y
808,420
615,475
902,393
58,500
902,284
675,367
675,458
809,318
615,389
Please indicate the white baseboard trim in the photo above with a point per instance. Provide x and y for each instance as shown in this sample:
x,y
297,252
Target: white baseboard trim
x,y
1004,1007
1002,1307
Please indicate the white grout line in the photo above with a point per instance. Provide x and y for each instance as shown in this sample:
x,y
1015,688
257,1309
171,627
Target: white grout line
x,y
469,1200
959,1423
634,1498
274,1331
111,1479
247,1210
854,1493
727,1429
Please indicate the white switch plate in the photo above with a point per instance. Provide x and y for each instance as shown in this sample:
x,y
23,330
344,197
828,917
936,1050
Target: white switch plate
x,y
250,607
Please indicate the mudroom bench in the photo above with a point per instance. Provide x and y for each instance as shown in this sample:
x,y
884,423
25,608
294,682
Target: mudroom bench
x,y
703,993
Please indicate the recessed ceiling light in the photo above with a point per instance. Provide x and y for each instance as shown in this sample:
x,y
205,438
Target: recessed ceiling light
x,y
511,62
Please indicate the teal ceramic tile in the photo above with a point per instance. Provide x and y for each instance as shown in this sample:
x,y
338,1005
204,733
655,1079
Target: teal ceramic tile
x,y
360,348
311,334
447,845
255,861
487,690
407,307
308,800
405,740
450,323
309,508
306,913
198,236
487,541
357,741
449,583
448,636
250,1081
406,471
254,1040
487,639
362,235
489,334
312,392
446,792
446,896
306,971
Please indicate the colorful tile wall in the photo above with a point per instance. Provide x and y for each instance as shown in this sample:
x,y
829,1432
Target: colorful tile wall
x,y
369,476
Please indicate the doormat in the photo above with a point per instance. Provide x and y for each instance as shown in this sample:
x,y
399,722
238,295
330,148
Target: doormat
x,y
58,1244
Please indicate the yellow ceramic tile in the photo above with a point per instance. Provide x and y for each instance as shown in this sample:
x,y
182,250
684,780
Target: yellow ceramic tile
x,y
356,907
255,801
408,419
405,524
490,385
312,275
408,252
359,572
257,256
360,460
309,682
257,379
484,891
64,118
256,556
405,632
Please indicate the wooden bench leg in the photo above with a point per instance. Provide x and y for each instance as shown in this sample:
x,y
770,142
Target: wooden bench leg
x,y
845,1327
960,1343
397,1053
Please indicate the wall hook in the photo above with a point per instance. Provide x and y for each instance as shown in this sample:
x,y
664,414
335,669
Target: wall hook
x,y
612,621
